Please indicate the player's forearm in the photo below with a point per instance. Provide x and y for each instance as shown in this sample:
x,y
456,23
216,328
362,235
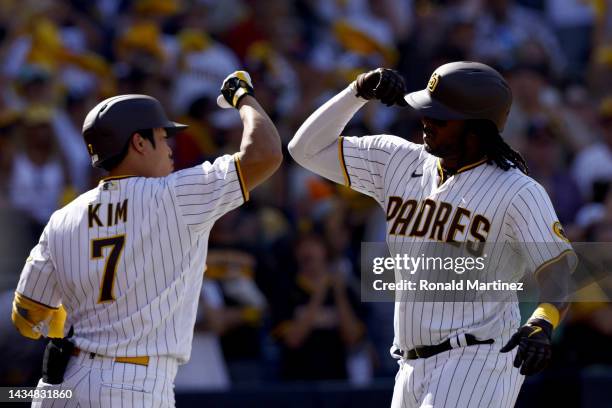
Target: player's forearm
x,y
260,150
553,283
324,126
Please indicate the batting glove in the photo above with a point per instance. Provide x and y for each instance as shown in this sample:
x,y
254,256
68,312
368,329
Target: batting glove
x,y
534,346
384,84
235,87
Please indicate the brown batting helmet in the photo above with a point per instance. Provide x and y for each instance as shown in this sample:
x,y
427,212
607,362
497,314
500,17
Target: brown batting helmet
x,y
464,90
109,126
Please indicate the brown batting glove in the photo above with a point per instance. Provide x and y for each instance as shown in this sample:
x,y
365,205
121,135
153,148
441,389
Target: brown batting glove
x,y
384,84
534,346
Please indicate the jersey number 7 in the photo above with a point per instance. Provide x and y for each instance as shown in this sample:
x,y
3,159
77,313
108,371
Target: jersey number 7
x,y
110,266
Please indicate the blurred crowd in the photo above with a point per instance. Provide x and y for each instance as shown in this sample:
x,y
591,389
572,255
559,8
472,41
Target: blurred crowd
x,y
281,299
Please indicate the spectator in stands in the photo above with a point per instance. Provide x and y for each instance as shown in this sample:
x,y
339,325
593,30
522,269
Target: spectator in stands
x,y
573,22
535,98
505,27
318,322
8,124
543,152
211,322
592,167
600,74
240,314
66,123
38,176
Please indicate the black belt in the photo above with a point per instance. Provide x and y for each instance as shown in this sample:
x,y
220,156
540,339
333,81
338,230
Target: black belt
x,y
429,351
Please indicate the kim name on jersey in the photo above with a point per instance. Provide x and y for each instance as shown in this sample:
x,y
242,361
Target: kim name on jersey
x,y
113,214
437,221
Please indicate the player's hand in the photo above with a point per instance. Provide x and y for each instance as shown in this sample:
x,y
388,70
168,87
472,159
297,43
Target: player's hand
x,y
384,84
235,87
534,346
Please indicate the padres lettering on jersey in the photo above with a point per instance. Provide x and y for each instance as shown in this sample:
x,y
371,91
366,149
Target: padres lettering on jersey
x,y
481,204
436,221
126,259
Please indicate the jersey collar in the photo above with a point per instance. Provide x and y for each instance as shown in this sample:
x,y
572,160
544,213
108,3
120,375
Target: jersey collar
x,y
109,178
442,172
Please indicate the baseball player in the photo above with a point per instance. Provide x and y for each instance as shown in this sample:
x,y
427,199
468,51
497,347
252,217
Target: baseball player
x,y
463,184
125,260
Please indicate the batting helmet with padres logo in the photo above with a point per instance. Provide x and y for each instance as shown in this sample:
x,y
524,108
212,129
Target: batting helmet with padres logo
x,y
109,126
464,90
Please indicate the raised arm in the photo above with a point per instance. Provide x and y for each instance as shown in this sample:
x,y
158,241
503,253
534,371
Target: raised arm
x,y
357,162
260,150
315,144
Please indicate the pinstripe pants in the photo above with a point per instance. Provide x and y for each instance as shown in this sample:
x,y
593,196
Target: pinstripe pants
x,y
473,376
102,382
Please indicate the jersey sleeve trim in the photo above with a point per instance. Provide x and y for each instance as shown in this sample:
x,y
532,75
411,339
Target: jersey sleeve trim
x,y
347,179
243,189
554,260
29,303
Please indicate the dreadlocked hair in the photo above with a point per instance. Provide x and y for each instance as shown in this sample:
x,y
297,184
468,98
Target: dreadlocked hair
x,y
496,150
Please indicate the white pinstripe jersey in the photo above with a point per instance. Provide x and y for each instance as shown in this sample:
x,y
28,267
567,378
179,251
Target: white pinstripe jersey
x,y
480,203
126,259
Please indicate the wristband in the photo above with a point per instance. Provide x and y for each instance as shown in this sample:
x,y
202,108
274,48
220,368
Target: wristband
x,y
547,312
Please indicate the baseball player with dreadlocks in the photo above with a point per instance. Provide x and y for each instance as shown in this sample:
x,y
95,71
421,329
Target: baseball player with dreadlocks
x,y
463,184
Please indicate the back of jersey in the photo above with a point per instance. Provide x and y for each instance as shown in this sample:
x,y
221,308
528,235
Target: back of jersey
x,y
128,258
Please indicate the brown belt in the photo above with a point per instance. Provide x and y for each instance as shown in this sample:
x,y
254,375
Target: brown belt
x,y
144,360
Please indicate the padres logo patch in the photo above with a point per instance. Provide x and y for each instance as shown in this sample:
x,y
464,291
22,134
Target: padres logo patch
x,y
433,82
558,230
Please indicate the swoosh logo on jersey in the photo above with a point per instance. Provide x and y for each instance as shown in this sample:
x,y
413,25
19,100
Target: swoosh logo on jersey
x,y
414,174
